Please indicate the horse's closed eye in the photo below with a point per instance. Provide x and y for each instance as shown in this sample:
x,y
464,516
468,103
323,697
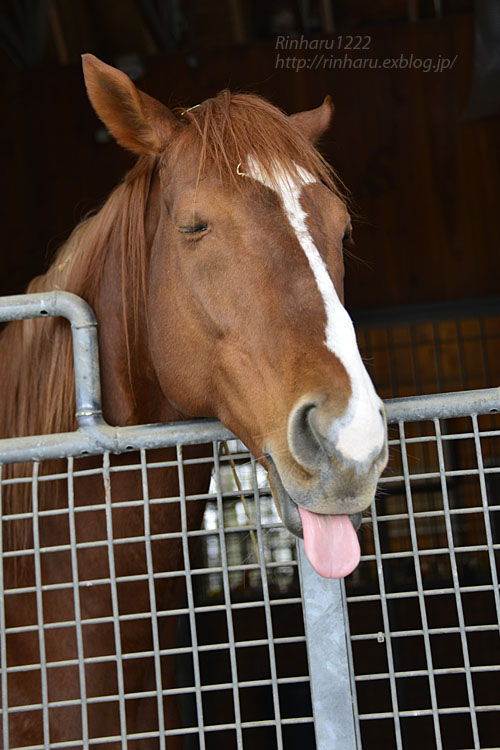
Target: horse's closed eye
x,y
196,228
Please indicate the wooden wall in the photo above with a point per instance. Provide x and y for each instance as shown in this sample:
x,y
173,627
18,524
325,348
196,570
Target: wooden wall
x,y
426,183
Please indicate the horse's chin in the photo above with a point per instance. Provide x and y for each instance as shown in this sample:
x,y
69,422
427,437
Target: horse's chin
x,y
288,508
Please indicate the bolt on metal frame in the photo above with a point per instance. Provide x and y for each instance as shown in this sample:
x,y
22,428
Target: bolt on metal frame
x,y
335,639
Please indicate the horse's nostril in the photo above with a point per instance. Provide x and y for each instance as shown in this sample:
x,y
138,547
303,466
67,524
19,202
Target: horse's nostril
x,y
318,435
304,439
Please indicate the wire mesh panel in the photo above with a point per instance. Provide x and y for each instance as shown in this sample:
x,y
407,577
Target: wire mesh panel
x,y
424,605
130,616
152,599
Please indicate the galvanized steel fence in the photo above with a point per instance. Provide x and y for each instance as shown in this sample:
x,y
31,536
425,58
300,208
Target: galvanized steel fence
x,y
405,652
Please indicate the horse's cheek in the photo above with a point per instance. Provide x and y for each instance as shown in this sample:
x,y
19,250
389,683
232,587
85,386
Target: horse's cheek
x,y
180,356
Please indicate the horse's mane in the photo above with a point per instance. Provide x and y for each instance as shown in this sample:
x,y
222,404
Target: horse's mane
x,y
36,361
37,394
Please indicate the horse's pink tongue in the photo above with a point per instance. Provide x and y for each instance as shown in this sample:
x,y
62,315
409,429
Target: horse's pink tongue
x,y
331,544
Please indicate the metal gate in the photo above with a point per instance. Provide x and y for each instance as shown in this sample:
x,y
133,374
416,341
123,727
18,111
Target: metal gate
x,y
265,652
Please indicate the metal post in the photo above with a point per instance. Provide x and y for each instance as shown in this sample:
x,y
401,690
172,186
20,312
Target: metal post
x,y
328,659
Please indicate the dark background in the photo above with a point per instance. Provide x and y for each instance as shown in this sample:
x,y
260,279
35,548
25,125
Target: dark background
x,y
423,174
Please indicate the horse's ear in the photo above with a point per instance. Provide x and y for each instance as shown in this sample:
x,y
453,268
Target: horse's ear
x,y
314,122
137,121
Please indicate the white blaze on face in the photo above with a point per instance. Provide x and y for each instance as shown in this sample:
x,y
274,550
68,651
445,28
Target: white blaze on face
x,y
359,433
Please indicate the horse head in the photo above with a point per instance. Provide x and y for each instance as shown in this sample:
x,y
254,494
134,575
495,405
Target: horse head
x,y
245,315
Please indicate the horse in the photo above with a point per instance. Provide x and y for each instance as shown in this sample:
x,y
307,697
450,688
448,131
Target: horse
x,y
215,270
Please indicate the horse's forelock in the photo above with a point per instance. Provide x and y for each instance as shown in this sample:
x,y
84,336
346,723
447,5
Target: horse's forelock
x,y
230,128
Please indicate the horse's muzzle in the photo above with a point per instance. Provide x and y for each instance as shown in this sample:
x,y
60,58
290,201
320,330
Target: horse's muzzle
x,y
316,474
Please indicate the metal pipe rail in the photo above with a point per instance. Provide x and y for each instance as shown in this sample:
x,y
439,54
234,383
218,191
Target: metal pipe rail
x,y
94,434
